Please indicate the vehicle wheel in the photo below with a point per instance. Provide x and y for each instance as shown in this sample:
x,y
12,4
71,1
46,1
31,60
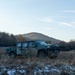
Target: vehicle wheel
x,y
12,55
41,54
49,53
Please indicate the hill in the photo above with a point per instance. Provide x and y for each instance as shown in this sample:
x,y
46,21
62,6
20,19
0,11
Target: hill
x,y
39,36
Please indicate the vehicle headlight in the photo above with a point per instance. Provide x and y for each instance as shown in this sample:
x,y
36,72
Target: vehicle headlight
x,y
48,46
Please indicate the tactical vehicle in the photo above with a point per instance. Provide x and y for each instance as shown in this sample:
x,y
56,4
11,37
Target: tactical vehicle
x,y
33,48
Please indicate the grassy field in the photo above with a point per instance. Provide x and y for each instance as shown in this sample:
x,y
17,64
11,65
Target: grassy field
x,y
66,58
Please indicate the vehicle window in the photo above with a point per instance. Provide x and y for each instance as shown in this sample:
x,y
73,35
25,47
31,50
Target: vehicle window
x,y
41,42
19,45
31,44
24,45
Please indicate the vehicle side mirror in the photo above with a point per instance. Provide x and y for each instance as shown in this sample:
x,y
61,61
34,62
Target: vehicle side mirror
x,y
32,45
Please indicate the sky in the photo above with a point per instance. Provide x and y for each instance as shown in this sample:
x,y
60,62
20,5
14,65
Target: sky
x,y
54,18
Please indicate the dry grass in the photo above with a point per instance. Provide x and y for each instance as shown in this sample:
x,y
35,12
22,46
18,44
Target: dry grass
x,y
32,62
64,57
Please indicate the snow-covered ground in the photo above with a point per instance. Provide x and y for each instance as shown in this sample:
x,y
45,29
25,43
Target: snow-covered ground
x,y
12,70
38,70
55,70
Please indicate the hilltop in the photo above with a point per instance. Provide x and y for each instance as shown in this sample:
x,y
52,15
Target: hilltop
x,y
40,36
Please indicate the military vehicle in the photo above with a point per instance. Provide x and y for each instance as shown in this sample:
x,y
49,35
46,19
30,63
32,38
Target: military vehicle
x,y
33,48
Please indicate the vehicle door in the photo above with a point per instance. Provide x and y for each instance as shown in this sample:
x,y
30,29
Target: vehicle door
x,y
24,49
32,49
18,48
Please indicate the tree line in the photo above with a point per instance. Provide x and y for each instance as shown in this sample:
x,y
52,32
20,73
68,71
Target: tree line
x,y
7,39
66,46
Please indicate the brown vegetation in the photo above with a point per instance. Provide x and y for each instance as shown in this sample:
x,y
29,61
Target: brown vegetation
x,y
67,58
64,57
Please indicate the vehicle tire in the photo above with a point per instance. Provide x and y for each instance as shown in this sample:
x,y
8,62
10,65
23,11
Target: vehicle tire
x,y
53,56
49,53
12,55
41,54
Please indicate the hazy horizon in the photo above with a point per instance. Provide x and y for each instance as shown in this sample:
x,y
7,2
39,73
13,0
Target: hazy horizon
x,y
54,18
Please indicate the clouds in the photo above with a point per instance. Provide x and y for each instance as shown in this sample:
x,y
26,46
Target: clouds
x,y
55,22
65,24
69,11
47,19
68,24
48,28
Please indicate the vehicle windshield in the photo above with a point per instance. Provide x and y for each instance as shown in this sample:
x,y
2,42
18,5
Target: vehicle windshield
x,y
41,42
